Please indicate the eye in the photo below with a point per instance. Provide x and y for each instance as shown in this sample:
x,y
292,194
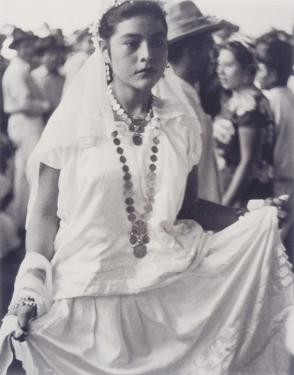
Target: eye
x,y
131,44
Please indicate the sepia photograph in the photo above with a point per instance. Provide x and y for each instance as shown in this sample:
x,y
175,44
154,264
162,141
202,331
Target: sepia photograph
x,y
146,187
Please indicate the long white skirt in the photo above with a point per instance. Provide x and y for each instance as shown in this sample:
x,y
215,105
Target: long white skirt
x,y
224,317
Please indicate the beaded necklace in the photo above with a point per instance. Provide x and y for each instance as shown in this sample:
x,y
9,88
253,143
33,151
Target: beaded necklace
x,y
139,233
136,125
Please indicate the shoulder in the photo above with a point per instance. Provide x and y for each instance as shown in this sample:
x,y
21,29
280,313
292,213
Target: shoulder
x,y
279,94
15,70
250,101
171,112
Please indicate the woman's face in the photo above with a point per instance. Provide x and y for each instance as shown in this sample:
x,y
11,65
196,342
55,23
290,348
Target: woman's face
x,y
138,52
230,73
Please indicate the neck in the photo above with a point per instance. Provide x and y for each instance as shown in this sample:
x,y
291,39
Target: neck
x,y
135,102
242,89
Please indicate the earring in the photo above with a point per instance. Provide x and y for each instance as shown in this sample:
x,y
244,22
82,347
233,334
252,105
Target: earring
x,y
108,71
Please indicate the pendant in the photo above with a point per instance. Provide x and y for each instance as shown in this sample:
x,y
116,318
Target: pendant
x,y
140,251
137,139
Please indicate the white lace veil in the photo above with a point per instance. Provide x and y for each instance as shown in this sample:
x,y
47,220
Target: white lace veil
x,y
85,107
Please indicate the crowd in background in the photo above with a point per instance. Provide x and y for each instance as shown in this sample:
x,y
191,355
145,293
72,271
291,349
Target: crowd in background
x,y
248,134
32,84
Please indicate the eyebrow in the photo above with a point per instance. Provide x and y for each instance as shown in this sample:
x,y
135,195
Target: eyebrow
x,y
157,34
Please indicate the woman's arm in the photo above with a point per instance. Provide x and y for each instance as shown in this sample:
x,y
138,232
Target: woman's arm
x,y
250,142
41,232
43,223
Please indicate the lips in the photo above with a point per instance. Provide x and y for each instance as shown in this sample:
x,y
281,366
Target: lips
x,y
222,80
146,71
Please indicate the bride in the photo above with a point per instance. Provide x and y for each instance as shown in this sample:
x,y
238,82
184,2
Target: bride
x,y
112,281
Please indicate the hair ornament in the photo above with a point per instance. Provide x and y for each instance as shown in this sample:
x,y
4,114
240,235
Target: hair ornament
x,y
106,6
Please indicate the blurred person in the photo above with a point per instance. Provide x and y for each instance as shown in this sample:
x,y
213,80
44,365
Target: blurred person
x,y
291,78
248,146
82,49
47,76
3,66
9,239
25,109
275,62
190,48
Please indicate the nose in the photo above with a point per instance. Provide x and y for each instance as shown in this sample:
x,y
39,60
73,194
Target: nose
x,y
145,52
219,70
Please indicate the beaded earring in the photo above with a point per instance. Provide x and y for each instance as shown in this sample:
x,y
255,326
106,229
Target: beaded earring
x,y
108,71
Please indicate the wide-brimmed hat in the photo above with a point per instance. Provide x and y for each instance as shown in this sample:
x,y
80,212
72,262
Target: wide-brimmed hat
x,y
227,25
185,19
19,35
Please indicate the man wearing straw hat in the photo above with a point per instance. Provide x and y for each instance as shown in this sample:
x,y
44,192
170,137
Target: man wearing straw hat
x,y
190,46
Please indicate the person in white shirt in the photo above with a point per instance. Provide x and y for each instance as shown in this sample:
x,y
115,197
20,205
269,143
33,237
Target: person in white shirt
x,y
22,102
47,76
82,50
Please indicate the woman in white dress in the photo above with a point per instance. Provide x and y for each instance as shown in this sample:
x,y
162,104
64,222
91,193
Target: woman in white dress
x,y
113,282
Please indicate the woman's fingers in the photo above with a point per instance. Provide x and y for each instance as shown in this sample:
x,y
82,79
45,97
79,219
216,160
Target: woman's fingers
x,y
283,205
20,334
223,130
24,315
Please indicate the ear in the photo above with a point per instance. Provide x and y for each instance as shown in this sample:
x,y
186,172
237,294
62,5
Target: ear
x,y
104,46
273,76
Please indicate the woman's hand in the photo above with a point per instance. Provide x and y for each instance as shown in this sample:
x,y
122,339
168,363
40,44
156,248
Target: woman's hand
x,y
223,130
24,315
282,203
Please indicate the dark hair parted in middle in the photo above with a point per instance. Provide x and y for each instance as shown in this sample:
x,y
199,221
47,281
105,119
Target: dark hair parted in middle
x,y
127,10
243,55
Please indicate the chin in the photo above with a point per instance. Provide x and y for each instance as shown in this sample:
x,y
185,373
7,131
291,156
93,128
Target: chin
x,y
226,87
146,84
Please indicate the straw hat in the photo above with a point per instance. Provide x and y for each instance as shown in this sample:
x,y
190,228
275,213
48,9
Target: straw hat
x,y
185,19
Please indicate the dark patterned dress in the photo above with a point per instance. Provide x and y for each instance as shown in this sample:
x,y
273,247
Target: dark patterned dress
x,y
252,112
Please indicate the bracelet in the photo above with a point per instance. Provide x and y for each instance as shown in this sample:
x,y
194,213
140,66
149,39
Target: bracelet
x,y
24,301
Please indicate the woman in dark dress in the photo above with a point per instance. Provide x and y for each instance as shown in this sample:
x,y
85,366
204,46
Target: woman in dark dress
x,y
247,150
